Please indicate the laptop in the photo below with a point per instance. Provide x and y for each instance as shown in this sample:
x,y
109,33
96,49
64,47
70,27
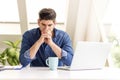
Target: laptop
x,y
89,55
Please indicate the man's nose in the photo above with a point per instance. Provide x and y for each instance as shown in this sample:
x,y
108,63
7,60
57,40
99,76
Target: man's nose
x,y
46,28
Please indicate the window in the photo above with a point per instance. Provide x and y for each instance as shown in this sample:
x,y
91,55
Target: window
x,y
34,6
9,16
8,11
112,22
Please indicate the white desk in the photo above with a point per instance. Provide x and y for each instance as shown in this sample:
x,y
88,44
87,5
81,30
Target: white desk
x,y
46,74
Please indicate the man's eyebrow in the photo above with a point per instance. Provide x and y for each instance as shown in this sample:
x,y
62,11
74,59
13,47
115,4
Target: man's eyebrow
x,y
43,24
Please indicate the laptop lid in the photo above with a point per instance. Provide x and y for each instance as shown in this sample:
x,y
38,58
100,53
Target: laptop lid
x,y
90,55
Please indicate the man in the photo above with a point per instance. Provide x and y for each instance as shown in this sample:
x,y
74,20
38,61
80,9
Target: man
x,y
40,43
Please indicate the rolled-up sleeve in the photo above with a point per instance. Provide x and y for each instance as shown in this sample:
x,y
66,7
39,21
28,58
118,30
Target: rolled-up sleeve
x,y
25,58
27,55
67,50
64,53
25,52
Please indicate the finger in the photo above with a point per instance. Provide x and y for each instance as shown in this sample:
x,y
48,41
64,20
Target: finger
x,y
47,34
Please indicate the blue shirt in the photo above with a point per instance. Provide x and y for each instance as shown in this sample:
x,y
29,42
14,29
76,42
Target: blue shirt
x,y
60,38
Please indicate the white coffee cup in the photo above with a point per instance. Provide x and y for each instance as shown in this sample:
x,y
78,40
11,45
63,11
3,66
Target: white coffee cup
x,y
52,62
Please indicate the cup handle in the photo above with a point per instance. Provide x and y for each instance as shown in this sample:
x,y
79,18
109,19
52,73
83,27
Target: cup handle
x,y
47,62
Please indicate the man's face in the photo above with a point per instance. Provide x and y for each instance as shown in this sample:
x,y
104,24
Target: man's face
x,y
46,25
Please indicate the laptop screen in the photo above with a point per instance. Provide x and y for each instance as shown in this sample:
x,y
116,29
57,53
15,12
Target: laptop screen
x,y
90,55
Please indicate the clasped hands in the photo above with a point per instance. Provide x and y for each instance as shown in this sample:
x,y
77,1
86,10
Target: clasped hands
x,y
46,36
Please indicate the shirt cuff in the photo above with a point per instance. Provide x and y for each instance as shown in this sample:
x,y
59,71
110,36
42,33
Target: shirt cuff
x,y
64,53
27,54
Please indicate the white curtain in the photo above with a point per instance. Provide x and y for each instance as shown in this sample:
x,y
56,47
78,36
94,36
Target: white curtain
x,y
84,20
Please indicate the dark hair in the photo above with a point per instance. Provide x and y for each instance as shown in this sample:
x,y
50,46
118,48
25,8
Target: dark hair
x,y
47,14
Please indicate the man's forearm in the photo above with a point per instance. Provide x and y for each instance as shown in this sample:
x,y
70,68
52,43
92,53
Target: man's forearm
x,y
57,50
34,48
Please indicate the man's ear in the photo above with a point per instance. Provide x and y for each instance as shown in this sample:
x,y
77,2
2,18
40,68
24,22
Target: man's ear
x,y
54,22
38,20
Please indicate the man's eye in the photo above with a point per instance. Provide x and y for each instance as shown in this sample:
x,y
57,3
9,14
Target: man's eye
x,y
50,25
43,24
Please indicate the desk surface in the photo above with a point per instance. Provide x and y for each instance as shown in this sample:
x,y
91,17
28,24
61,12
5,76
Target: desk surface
x,y
38,73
